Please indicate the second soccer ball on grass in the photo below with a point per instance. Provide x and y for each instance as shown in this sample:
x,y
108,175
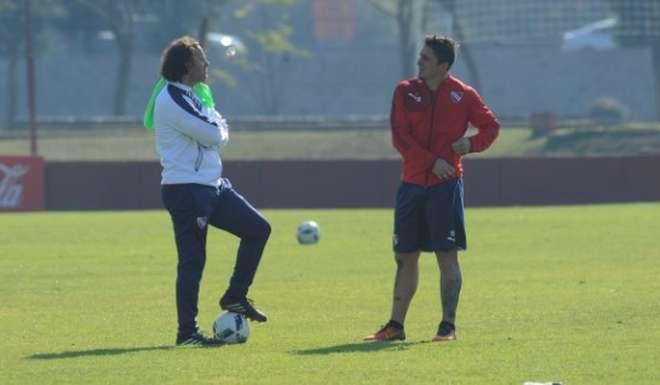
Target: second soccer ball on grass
x,y
308,233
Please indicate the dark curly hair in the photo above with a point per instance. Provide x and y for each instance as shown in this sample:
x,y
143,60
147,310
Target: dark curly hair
x,y
176,55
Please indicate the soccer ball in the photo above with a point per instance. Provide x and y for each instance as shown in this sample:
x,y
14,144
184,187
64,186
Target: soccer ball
x,y
308,233
231,328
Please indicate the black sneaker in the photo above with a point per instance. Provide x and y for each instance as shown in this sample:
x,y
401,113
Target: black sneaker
x,y
243,306
446,332
196,339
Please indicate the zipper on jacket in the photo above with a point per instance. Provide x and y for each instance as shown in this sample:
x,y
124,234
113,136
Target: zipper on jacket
x,y
200,157
434,98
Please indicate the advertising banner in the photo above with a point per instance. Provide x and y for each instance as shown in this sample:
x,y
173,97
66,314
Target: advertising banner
x,y
21,183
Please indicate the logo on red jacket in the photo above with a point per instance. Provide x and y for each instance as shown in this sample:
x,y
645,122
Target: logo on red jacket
x,y
456,96
415,97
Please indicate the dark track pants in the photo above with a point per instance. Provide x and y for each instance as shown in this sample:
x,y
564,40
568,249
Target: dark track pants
x,y
192,207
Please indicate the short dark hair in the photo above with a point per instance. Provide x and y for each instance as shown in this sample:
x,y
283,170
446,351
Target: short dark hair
x,y
443,47
175,57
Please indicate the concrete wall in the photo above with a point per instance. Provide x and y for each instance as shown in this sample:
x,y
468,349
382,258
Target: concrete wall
x,y
346,183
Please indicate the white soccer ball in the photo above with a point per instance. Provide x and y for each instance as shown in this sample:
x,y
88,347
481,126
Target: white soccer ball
x,y
308,233
231,328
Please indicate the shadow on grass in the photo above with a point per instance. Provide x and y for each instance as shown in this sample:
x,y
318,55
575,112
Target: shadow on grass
x,y
94,352
360,347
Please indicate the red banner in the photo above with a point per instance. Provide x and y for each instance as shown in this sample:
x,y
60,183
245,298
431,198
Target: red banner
x,y
21,183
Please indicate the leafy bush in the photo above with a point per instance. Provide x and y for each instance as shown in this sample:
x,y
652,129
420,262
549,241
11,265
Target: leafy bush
x,y
607,112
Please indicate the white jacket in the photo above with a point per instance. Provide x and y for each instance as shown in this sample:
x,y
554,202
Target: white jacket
x,y
188,137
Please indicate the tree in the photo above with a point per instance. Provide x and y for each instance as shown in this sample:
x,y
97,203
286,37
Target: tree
x,y
11,45
638,24
412,18
12,42
174,18
465,51
408,16
270,38
119,16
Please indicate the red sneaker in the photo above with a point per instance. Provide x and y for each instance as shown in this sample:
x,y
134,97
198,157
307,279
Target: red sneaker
x,y
387,333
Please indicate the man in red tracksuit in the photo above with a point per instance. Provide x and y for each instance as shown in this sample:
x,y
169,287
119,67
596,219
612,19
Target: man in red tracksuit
x,y
429,118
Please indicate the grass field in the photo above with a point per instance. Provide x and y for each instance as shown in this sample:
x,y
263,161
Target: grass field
x,y
551,293
133,143
136,144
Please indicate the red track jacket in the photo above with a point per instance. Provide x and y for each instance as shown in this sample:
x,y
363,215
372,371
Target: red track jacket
x,y
425,124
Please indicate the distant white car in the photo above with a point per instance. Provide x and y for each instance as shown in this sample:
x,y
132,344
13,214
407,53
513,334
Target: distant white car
x,y
231,45
598,36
